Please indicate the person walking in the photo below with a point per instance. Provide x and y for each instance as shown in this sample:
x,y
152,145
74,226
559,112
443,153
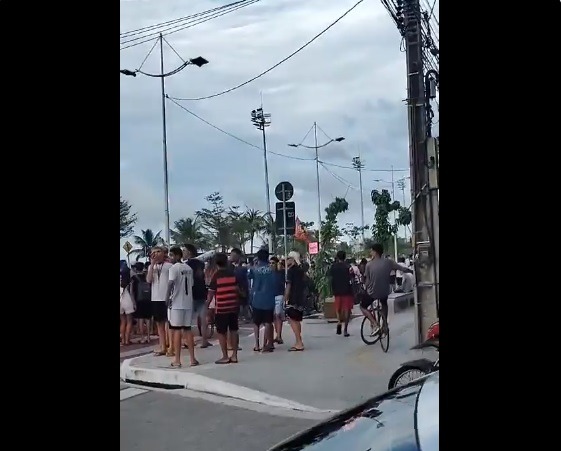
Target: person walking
x,y
294,298
341,275
279,315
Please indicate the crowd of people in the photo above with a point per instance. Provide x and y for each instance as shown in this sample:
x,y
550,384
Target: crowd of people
x,y
179,292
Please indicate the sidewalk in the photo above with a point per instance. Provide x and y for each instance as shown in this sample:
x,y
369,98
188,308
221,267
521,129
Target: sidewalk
x,y
333,372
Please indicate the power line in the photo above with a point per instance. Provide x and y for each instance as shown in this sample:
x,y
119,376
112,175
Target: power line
x,y
174,29
180,19
232,135
364,169
277,64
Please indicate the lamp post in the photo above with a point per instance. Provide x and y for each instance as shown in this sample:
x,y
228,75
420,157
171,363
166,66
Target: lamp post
x,y
199,61
316,147
262,120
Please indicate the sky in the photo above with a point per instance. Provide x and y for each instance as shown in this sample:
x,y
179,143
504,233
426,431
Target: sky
x,y
351,81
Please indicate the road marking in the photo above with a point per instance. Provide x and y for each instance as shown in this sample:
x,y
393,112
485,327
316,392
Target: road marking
x,y
130,392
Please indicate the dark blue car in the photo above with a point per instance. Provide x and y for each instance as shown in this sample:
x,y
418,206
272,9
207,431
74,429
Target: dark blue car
x,y
403,419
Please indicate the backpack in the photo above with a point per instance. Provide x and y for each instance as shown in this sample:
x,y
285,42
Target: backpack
x,y
143,291
199,283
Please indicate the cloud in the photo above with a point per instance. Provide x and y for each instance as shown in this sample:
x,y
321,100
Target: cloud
x,y
352,81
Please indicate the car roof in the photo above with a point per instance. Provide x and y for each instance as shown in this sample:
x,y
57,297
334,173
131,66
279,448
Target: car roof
x,y
386,422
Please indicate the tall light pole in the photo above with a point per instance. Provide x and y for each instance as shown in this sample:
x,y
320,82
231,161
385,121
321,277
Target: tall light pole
x,y
198,61
359,166
262,120
316,147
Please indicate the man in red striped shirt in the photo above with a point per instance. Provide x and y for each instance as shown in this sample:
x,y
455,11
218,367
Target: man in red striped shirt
x,y
224,288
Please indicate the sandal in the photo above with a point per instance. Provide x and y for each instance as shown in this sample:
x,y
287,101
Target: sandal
x,y
159,353
195,363
295,349
175,365
256,349
223,361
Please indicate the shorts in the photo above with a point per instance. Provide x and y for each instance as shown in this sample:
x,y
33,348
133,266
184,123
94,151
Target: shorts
x,y
127,306
294,314
143,310
159,311
368,300
200,310
226,322
279,307
261,316
180,319
399,280
392,280
345,302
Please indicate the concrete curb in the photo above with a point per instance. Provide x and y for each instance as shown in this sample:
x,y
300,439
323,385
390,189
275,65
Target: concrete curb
x,y
170,378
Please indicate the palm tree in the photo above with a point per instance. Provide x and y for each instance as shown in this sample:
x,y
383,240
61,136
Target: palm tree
x,y
189,230
146,241
255,223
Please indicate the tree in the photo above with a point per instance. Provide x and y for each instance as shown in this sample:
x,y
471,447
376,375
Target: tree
x,y
255,223
146,241
189,231
215,221
238,228
329,234
382,230
128,219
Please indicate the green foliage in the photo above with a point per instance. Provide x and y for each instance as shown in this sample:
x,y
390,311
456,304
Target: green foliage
x,y
329,234
404,216
383,230
216,221
146,241
189,231
128,219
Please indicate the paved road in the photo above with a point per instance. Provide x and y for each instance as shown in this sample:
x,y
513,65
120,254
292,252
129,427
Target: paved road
x,y
180,420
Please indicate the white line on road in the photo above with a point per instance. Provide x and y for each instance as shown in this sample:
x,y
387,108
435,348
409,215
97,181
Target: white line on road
x,y
130,392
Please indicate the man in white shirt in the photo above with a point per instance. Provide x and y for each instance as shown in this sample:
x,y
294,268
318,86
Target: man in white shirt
x,y
158,276
179,299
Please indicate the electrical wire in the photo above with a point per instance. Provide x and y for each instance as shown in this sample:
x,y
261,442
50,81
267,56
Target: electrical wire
x,y
339,179
277,64
364,169
167,22
305,136
325,134
176,28
148,54
234,136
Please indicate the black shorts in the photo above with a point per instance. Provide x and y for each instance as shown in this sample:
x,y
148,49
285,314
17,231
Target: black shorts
x,y
368,300
143,310
392,280
159,311
398,280
226,322
261,316
294,314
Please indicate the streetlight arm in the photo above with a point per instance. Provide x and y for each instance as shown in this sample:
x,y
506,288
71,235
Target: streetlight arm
x,y
311,147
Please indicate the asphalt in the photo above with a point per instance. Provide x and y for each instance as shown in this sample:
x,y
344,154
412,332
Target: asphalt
x,y
174,420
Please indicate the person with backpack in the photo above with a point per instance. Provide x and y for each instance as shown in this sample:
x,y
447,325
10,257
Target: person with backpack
x,y
141,293
200,310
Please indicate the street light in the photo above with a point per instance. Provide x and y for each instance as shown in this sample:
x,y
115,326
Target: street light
x,y
316,147
262,120
198,61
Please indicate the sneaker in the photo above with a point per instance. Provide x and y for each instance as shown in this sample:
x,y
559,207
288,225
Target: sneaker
x,y
375,331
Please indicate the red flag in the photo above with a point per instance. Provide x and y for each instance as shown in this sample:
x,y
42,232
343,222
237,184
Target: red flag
x,y
300,233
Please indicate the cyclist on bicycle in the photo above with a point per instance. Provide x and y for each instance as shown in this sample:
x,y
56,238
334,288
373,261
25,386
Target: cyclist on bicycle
x,y
377,281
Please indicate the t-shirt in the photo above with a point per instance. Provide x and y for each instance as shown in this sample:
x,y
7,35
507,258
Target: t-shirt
x,y
199,286
279,282
241,279
182,276
377,277
263,287
341,278
160,277
295,278
225,286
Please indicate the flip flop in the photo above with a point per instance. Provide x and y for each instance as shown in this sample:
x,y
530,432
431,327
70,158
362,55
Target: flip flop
x,y
256,349
294,349
175,365
159,353
222,362
195,363
233,361
206,346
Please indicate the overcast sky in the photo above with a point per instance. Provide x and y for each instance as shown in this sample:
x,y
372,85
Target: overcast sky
x,y
352,81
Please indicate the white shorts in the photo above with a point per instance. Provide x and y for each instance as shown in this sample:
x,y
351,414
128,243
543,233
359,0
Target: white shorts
x,y
200,310
279,306
180,319
127,306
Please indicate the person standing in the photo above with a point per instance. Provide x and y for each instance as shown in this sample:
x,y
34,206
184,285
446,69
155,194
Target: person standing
x,y
158,276
127,306
179,300
224,289
199,292
342,275
279,316
141,293
241,277
294,298
263,300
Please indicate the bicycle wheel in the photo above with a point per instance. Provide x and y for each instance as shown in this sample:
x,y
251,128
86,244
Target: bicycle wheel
x,y
366,332
384,331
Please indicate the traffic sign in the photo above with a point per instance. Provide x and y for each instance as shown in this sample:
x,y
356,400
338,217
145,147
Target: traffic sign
x,y
313,248
127,247
290,218
288,191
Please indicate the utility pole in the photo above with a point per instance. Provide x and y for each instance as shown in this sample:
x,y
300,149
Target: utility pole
x,y
359,166
262,120
425,227
317,181
164,144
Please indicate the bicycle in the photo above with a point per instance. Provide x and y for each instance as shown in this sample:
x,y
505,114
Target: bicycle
x,y
366,329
